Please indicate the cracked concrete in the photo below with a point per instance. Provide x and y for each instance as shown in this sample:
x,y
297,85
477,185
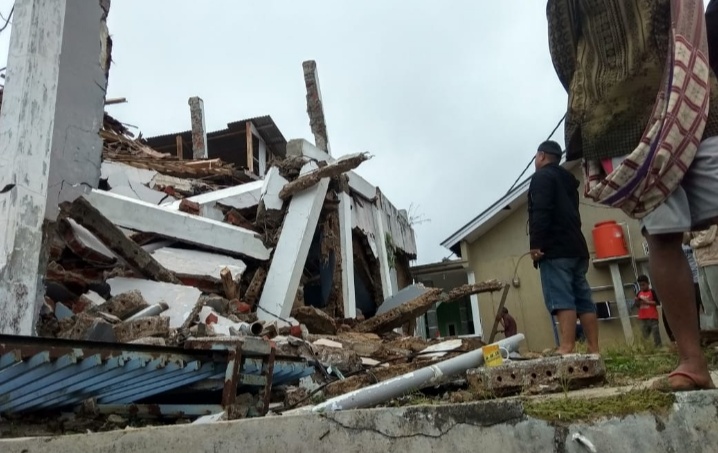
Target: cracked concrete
x,y
492,426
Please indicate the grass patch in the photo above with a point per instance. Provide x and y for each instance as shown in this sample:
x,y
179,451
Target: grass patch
x,y
627,364
568,410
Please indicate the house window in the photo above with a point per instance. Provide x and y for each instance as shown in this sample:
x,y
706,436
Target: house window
x,y
452,329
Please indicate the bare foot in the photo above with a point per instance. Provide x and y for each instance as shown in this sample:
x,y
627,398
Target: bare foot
x,y
682,381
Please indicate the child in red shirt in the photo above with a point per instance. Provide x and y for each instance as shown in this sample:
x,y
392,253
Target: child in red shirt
x,y
647,301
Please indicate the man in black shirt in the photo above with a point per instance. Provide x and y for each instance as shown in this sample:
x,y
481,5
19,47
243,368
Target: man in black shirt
x,y
559,249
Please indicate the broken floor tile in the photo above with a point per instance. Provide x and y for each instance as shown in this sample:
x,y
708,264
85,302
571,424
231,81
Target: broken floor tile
x,y
180,299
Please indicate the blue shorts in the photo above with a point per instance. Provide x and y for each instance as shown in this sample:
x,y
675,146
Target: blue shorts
x,y
565,286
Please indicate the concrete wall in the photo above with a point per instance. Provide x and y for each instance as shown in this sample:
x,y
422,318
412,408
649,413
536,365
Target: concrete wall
x,y
499,426
496,254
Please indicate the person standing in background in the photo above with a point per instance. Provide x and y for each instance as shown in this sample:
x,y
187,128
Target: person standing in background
x,y
558,248
648,302
507,322
705,249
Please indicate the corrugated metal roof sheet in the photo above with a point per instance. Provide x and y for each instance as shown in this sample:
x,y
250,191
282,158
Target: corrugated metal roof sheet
x,y
37,374
266,127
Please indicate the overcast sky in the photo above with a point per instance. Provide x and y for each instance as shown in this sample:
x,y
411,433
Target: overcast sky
x,y
451,99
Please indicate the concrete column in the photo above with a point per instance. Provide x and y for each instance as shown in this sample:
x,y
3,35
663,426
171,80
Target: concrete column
x,y
433,321
315,106
50,150
199,129
475,314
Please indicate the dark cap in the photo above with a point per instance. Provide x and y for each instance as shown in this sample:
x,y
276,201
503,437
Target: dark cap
x,y
551,147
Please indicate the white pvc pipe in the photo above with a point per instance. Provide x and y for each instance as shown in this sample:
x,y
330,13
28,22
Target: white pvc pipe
x,y
398,386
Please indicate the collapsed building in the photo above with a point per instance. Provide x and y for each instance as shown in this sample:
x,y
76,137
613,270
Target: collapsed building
x,y
192,273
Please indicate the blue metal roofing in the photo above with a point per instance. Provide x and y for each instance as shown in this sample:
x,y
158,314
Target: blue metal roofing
x,y
41,375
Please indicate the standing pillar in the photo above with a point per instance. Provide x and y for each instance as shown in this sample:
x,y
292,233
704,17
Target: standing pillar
x,y
50,150
199,129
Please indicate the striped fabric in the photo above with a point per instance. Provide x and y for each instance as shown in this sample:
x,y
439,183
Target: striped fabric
x,y
656,165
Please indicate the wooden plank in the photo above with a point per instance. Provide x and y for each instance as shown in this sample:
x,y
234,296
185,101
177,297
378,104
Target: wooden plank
x,y
250,146
502,303
336,168
178,142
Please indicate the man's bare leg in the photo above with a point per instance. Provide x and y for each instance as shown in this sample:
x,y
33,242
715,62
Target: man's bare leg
x,y
567,331
589,322
673,281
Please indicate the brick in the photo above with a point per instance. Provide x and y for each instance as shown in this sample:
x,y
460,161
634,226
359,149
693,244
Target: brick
x,y
545,375
143,327
124,305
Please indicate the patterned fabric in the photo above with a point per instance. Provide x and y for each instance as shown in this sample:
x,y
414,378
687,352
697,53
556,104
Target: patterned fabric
x,y
633,92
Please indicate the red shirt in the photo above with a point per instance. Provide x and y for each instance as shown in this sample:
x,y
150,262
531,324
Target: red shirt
x,y
646,311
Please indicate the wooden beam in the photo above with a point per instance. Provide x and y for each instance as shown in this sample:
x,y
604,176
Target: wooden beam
x,y
250,146
495,327
178,144
336,168
137,215
113,101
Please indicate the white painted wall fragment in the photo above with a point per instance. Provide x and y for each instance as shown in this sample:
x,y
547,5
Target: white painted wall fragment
x,y
50,149
239,197
141,216
347,254
273,184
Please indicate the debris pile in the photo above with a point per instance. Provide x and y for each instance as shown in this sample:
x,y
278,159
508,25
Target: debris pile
x,y
165,250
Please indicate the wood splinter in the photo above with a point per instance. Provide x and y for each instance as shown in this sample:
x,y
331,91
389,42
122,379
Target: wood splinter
x,y
230,286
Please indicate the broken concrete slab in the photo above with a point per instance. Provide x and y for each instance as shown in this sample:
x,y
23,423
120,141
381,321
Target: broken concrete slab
x,y
123,304
238,197
345,360
328,343
440,349
292,250
84,244
407,294
85,327
117,174
140,192
88,216
316,320
180,299
141,216
198,268
270,207
545,375
157,326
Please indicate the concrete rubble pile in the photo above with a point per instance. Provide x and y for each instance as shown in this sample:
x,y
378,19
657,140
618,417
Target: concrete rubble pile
x,y
167,250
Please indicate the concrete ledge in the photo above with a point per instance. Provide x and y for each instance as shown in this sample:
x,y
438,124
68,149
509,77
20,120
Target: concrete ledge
x,y
494,426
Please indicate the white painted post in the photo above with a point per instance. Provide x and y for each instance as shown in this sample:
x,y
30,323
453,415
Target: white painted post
x,y
347,255
475,314
50,150
292,250
621,302
199,128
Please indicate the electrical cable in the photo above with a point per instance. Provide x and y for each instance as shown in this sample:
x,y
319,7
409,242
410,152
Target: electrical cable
x,y
534,157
